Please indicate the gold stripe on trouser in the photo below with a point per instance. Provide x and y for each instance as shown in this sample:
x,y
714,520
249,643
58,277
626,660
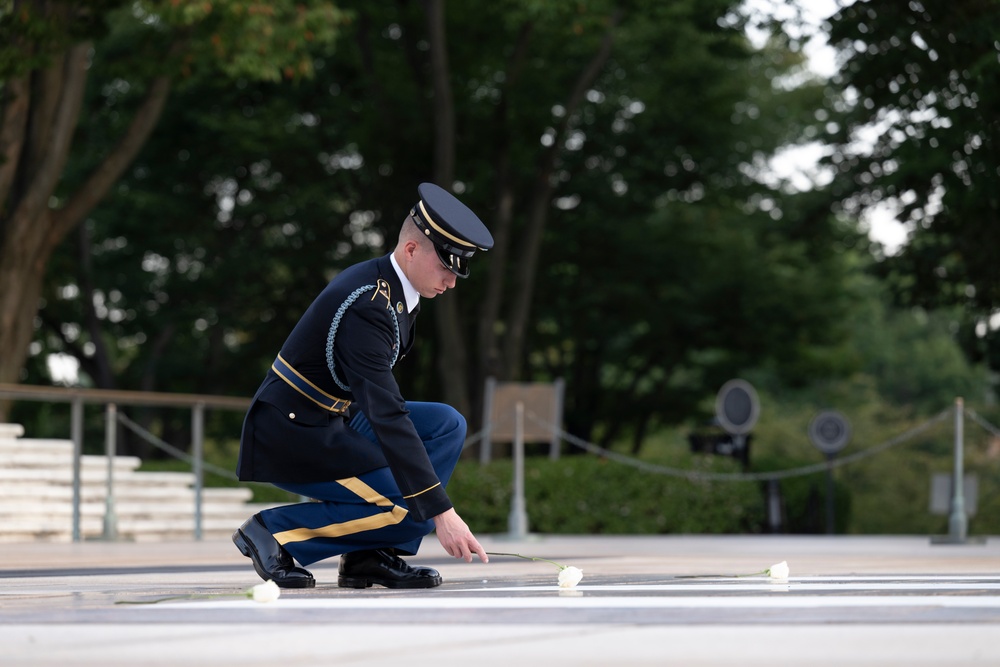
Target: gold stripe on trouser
x,y
366,493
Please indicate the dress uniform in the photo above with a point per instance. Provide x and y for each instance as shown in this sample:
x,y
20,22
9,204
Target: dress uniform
x,y
329,423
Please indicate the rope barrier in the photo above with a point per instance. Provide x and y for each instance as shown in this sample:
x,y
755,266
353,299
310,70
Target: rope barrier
x,y
474,438
691,475
694,475
170,449
971,414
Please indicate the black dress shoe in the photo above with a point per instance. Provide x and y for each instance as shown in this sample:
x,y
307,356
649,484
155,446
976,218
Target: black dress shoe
x,y
361,569
270,559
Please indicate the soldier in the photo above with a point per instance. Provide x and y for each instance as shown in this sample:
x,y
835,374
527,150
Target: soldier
x,y
329,423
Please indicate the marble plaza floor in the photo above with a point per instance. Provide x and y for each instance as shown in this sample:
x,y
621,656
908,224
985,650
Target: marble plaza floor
x,y
663,600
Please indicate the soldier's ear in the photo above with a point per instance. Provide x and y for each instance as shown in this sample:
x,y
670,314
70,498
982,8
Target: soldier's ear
x,y
410,249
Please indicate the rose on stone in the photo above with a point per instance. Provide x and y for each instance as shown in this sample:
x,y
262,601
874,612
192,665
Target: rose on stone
x,y
265,592
569,576
778,571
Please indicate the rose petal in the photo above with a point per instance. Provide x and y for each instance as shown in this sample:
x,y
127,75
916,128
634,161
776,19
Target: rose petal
x,y
778,570
570,577
266,592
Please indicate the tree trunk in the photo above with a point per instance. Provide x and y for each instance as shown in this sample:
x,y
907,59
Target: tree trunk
x,y
22,267
452,359
47,112
489,361
527,264
14,99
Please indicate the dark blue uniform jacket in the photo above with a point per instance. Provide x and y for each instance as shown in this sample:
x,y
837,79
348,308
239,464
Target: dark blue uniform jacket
x,y
345,344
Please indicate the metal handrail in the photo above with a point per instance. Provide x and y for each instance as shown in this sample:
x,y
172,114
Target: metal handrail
x,y
111,398
120,397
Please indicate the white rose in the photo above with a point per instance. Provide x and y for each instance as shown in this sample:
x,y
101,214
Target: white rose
x,y
266,592
778,570
570,577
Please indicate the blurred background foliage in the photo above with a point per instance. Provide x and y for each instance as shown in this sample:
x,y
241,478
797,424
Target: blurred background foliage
x,y
646,253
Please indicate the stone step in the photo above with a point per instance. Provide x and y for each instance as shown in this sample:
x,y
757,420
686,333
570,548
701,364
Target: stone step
x,y
10,431
59,493
94,476
28,511
57,529
50,445
36,496
31,459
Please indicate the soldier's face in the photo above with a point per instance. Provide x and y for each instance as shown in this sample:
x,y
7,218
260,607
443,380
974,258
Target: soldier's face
x,y
429,276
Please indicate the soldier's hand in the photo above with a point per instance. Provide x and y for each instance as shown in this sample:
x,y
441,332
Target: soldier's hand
x,y
456,538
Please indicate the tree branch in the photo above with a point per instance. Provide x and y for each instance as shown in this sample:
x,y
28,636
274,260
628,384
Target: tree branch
x,y
444,107
539,207
17,99
110,170
489,362
453,361
52,129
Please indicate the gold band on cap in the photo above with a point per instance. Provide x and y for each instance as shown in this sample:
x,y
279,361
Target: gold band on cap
x,y
441,231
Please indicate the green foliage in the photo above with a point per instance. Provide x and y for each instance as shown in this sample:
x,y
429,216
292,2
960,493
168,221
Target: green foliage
x,y
887,492
198,257
260,40
887,489
30,32
241,38
804,504
589,495
667,266
221,454
920,84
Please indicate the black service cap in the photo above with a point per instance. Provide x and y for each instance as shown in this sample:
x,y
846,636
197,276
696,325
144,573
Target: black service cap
x,y
455,230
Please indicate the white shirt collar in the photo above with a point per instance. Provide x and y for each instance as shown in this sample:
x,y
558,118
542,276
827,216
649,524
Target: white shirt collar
x,y
409,291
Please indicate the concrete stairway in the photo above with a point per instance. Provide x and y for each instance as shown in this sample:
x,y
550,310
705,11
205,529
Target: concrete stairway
x,y
36,496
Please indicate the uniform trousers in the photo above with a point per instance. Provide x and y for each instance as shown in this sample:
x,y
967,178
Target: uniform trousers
x,y
367,511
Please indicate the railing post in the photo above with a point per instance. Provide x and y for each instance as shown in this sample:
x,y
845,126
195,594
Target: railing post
x,y
518,521
76,433
110,436
197,452
486,444
957,521
110,443
559,386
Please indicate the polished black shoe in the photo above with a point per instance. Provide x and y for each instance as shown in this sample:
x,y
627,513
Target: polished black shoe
x,y
361,569
270,559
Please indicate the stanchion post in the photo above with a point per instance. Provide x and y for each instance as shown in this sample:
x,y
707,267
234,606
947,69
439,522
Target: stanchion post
x,y
774,506
957,521
518,521
198,452
110,435
830,520
486,444
76,433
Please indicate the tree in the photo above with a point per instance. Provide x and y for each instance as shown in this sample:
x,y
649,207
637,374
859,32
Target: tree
x,y
914,122
638,254
44,67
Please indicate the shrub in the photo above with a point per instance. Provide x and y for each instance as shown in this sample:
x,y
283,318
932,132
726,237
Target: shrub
x,y
590,495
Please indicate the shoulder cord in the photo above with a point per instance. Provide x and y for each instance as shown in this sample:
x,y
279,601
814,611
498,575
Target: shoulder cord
x,y
348,302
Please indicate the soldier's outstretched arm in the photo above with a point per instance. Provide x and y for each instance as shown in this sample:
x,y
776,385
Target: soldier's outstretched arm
x,y
456,538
